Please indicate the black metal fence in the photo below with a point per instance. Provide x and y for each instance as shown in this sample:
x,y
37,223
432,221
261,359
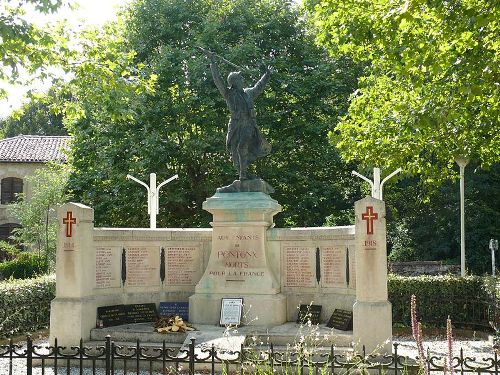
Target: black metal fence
x,y
111,359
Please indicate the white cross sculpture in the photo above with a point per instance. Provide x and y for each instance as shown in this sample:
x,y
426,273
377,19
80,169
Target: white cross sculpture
x,y
376,185
153,195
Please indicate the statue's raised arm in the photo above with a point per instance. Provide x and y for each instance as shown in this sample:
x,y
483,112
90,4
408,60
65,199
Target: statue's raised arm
x,y
219,82
259,87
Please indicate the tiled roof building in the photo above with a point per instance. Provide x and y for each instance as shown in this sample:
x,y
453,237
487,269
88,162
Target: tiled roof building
x,y
33,149
20,157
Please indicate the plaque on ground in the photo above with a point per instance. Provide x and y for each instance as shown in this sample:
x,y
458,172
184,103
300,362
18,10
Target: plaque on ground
x,y
341,319
231,311
174,308
108,316
142,313
309,313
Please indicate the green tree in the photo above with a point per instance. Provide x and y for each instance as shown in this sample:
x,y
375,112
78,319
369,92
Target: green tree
x,y
424,224
180,128
26,47
36,213
430,91
35,117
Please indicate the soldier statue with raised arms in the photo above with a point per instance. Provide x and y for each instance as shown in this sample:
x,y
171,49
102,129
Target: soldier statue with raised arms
x,y
244,139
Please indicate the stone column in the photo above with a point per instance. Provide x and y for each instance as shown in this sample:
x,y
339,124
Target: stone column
x,y
73,311
238,264
372,312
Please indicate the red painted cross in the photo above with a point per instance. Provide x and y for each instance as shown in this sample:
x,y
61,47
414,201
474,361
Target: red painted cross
x,y
369,216
69,220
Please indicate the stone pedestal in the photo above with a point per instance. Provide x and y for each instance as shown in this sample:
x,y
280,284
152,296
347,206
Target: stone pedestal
x,y
238,264
73,311
372,312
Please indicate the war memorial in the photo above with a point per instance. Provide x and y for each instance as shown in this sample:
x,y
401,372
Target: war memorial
x,y
242,271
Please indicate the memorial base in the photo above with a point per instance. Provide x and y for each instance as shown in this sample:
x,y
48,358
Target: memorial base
x,y
258,309
71,319
372,326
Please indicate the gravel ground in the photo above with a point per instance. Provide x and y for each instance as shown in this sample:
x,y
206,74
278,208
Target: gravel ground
x,y
437,346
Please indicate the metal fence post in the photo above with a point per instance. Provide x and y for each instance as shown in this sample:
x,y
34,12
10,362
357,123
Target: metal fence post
x,y
332,358
271,357
191,356
108,355
395,358
138,356
496,362
80,357
29,356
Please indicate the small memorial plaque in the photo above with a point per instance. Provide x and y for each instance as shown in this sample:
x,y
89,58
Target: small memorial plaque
x,y
341,319
109,316
142,313
231,310
309,312
174,308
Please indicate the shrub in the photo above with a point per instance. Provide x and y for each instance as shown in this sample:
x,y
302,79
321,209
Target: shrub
x,y
26,265
25,305
463,299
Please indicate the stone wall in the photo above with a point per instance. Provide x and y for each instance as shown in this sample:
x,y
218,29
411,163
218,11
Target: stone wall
x,y
110,266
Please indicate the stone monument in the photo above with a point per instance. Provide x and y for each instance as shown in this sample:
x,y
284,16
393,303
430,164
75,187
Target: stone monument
x,y
372,312
242,213
239,263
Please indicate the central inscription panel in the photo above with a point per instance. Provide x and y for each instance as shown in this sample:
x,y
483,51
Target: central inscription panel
x,y
239,254
183,265
143,266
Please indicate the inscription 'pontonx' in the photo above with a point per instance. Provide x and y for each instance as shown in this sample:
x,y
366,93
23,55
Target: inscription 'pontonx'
x,y
236,254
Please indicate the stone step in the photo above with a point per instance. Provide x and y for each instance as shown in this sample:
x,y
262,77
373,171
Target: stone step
x,y
144,332
227,339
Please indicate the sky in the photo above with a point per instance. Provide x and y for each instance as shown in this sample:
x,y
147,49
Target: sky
x,y
89,12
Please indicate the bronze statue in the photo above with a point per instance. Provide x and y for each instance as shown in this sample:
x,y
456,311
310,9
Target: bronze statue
x,y
244,139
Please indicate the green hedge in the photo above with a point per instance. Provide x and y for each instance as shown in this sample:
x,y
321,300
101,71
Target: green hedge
x,y
25,265
464,300
25,305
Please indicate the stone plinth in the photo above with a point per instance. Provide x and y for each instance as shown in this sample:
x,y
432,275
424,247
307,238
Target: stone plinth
x,y
238,264
73,311
372,316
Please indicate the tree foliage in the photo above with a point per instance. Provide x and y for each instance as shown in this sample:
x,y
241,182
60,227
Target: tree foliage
x,y
431,89
423,229
36,213
180,128
25,46
35,118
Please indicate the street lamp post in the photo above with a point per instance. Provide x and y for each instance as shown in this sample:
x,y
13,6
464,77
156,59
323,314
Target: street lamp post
x,y
153,195
493,248
462,162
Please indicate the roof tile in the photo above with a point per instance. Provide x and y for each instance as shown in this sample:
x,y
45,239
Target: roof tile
x,y
33,149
